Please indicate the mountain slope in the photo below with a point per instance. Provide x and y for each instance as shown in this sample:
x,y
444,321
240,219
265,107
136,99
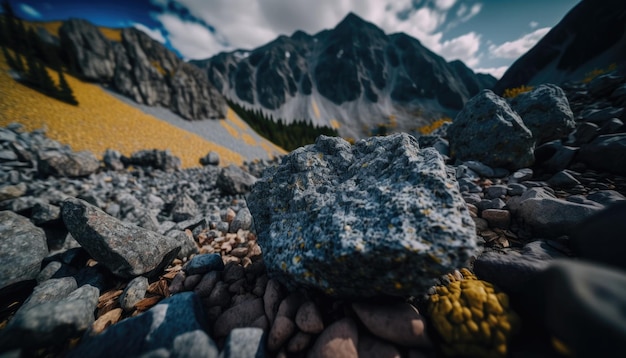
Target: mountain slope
x,y
353,78
591,36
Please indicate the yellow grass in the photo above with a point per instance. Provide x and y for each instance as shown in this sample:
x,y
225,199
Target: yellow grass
x,y
514,92
427,129
248,139
316,110
99,122
111,34
232,131
232,117
53,28
334,124
591,75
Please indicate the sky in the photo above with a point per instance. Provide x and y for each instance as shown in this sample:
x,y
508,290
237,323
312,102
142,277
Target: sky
x,y
487,35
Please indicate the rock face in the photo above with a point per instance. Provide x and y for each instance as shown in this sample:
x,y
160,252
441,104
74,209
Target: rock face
x,y
127,250
471,134
354,73
589,37
142,69
22,247
335,217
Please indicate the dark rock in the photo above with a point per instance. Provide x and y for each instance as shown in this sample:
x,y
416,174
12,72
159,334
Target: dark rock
x,y
68,164
93,55
186,241
204,263
330,207
480,168
212,158
242,221
233,180
604,85
521,175
606,152
584,133
612,126
238,316
600,238
508,270
22,248
8,192
497,218
44,213
134,292
220,296
112,160
485,204
516,189
177,326
157,159
397,322
496,191
184,208
340,339
545,111
125,249
606,197
554,156
563,179
245,342
471,134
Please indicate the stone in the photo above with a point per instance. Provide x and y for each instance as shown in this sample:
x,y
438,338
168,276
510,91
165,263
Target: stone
x,y
563,179
299,342
290,305
207,283
134,292
184,208
178,283
497,218
51,320
606,197
125,249
601,116
480,168
600,238
516,189
186,241
396,322
90,50
521,175
548,216
340,339
67,164
238,316
554,156
508,270
309,318
372,347
44,213
176,326
606,153
156,159
245,342
212,158
233,180
233,272
22,248
382,205
204,263
545,111
570,292
282,329
271,299
242,221
495,191
8,192
112,160
603,85
220,296
584,133
471,133
612,126
487,204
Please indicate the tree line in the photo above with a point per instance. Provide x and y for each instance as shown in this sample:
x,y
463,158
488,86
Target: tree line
x,y
287,136
30,57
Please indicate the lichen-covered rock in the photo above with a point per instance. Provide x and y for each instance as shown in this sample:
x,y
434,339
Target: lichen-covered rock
x,y
489,131
545,111
379,217
472,317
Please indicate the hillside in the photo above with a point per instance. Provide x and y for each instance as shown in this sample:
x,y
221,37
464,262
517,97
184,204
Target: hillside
x,y
101,121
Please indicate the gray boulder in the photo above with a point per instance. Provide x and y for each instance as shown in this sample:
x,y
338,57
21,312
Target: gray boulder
x,y
545,111
379,217
113,160
184,208
212,158
66,163
234,180
606,152
92,53
176,327
125,249
157,159
51,318
22,248
489,131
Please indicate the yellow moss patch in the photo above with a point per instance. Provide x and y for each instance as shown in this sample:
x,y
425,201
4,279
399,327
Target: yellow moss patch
x,y
99,122
232,117
51,26
248,139
514,92
232,131
111,34
589,76
427,129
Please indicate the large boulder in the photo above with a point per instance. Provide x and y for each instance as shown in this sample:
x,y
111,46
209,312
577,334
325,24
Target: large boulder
x,y
489,131
67,163
234,180
545,111
22,248
154,158
380,217
606,152
125,249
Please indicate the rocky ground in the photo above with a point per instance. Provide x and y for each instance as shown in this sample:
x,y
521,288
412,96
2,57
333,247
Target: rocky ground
x,y
337,250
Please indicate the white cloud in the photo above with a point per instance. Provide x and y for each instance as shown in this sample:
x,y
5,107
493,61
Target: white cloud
x,y
30,11
192,40
464,48
155,34
444,4
496,72
516,48
533,24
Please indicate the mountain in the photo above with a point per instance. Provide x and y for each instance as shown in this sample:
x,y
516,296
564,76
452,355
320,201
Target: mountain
x,y
140,68
592,36
353,78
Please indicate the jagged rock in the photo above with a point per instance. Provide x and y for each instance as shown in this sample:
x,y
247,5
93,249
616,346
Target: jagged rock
x,y
600,238
212,158
91,53
234,180
44,213
545,111
157,159
606,152
201,264
242,221
8,192
69,164
471,134
22,248
134,292
125,249
379,205
176,326
554,156
52,319
184,208
113,160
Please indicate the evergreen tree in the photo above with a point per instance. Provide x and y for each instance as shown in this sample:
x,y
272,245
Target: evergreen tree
x,y
9,58
65,91
32,74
